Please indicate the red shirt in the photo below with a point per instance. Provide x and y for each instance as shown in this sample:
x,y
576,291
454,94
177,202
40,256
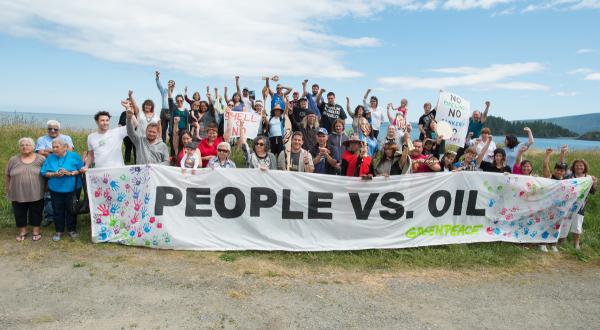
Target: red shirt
x,y
418,165
208,150
351,159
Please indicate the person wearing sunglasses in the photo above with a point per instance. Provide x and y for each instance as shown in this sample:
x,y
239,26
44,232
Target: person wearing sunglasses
x,y
222,159
43,147
259,156
44,143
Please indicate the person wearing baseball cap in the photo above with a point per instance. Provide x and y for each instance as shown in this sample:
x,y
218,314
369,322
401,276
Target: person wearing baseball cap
x,y
325,159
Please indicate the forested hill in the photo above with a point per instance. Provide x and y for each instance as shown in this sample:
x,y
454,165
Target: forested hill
x,y
542,129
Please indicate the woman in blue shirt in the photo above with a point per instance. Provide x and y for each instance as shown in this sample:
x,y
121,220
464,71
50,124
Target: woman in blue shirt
x,y
62,168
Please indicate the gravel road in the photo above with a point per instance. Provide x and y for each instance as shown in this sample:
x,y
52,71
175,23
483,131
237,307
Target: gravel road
x,y
78,285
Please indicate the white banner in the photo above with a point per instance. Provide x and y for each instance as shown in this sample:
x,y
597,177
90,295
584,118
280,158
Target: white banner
x,y
247,209
250,119
456,111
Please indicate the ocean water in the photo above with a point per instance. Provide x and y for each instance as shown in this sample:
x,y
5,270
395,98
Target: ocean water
x,y
86,122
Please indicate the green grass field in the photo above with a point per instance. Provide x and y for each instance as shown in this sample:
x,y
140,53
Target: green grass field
x,y
463,256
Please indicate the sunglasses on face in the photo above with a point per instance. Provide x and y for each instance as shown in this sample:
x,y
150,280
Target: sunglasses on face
x,y
223,150
52,129
260,144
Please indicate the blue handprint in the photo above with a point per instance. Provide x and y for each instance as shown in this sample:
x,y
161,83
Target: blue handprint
x,y
114,208
121,197
144,212
146,198
136,192
114,185
147,227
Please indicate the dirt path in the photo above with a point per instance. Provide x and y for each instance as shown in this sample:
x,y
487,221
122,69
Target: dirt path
x,y
78,285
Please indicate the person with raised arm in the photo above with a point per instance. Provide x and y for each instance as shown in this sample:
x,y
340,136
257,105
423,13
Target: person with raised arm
x,y
522,166
478,143
302,109
512,146
355,159
359,112
150,149
147,116
330,111
299,159
560,168
259,156
476,123
392,162
177,110
373,112
245,94
365,133
191,158
312,97
579,169
279,95
195,97
276,128
309,126
472,160
165,111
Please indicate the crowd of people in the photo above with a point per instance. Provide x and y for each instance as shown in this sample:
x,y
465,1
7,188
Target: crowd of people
x,y
303,133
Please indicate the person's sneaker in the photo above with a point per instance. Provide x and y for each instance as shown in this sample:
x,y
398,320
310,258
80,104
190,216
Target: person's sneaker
x,y
73,234
553,248
56,237
543,248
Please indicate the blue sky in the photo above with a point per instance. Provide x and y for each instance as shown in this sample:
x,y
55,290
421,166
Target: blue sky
x,y
531,59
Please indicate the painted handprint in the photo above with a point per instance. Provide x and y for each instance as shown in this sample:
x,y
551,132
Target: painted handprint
x,y
135,218
98,192
114,185
147,227
114,208
123,177
137,205
127,187
136,192
105,179
103,209
121,197
144,212
146,198
113,221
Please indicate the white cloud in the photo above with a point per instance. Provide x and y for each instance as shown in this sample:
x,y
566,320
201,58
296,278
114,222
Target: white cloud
x,y
211,37
580,71
565,94
593,76
491,77
585,51
563,5
472,4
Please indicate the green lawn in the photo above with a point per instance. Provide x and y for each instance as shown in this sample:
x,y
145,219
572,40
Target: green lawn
x,y
449,257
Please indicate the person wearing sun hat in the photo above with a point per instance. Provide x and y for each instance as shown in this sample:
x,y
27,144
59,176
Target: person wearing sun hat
x,y
356,160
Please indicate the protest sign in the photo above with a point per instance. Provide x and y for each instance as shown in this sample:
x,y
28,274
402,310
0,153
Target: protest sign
x,y
248,209
455,111
251,122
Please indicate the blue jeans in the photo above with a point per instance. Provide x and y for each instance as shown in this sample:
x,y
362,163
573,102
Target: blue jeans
x,y
61,203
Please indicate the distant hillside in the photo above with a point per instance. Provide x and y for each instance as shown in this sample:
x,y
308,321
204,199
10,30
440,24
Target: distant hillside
x,y
542,129
579,124
590,136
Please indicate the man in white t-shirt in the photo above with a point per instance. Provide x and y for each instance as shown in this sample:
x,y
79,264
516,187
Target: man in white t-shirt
x,y
104,146
244,94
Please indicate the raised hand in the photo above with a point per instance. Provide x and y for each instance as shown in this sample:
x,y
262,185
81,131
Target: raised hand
x,y
157,73
549,151
304,82
237,78
130,93
487,104
527,129
185,90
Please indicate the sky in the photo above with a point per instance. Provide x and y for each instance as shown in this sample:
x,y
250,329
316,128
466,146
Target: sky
x,y
530,59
